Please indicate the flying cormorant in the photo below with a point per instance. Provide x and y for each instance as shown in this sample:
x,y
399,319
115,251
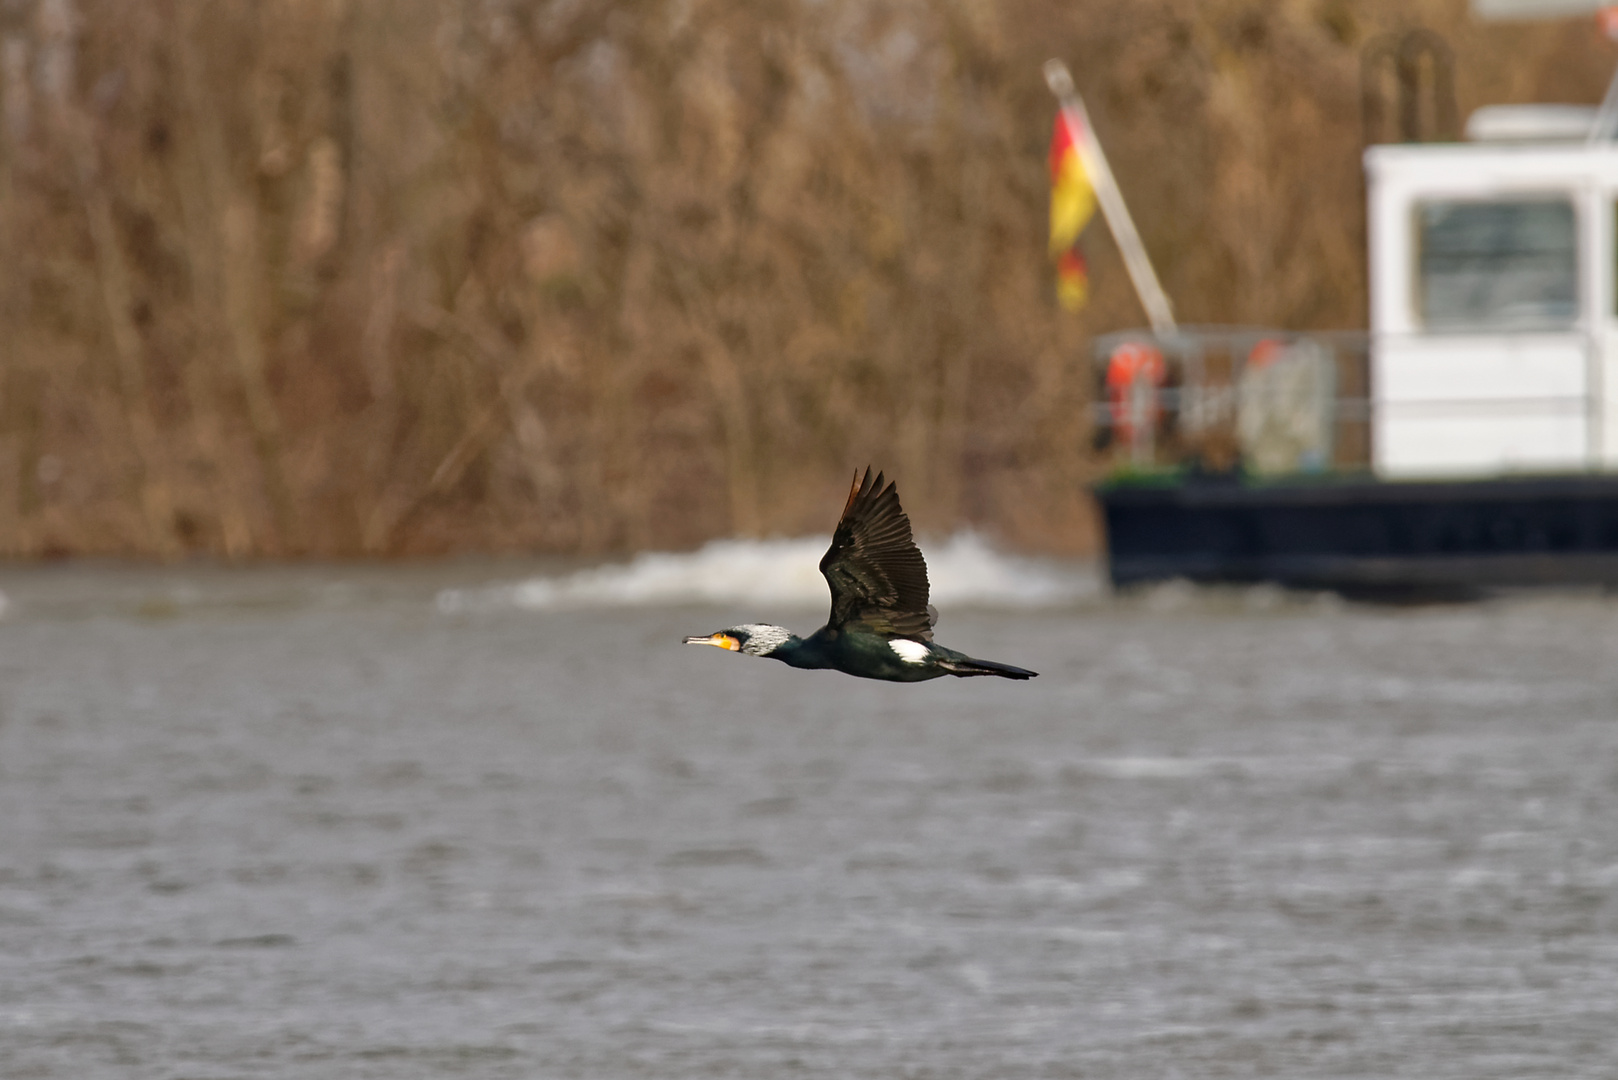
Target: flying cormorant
x,y
881,626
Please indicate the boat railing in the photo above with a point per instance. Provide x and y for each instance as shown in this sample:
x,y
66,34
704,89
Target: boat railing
x,y
1271,403
1224,400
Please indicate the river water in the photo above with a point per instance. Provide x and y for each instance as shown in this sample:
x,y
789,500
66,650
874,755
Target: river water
x,y
404,822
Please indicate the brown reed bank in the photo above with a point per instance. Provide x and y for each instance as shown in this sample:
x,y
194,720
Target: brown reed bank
x,y
326,278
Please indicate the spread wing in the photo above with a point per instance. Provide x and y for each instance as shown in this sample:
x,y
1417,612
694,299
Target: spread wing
x,y
877,576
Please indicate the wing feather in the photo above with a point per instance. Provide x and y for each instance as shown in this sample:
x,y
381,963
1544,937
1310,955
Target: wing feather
x,y
877,576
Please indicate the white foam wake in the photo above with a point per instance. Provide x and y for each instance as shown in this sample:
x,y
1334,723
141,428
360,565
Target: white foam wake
x,y
963,571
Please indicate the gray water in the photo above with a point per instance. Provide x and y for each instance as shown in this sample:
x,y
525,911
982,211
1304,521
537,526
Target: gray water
x,y
306,824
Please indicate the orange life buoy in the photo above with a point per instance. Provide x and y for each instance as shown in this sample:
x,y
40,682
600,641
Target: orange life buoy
x,y
1265,353
1135,370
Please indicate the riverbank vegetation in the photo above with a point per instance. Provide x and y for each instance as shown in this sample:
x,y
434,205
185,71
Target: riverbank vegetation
x,y
343,277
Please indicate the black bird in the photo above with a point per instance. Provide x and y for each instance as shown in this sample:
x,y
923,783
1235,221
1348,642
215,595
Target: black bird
x,y
881,626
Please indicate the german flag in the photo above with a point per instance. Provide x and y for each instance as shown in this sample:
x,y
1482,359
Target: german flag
x,y
1073,204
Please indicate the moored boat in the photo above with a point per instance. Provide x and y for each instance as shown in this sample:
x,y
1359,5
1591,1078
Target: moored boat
x,y
1467,439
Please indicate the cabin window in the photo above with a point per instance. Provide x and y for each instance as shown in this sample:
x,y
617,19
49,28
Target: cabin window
x,y
1506,265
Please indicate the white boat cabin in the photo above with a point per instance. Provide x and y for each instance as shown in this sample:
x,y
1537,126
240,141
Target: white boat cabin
x,y
1494,299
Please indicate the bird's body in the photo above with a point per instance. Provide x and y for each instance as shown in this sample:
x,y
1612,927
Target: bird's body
x,y
873,656
881,626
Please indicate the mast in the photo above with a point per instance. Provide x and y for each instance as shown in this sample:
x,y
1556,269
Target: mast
x,y
1111,200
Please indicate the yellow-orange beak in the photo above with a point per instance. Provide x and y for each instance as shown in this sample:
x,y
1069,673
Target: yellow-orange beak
x,y
724,641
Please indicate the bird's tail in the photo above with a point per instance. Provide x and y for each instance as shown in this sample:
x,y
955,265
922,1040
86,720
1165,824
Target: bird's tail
x,y
965,667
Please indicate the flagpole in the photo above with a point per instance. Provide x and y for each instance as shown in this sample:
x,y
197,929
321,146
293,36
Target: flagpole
x,y
1152,296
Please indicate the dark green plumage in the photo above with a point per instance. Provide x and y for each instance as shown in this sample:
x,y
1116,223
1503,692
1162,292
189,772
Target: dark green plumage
x,y
881,626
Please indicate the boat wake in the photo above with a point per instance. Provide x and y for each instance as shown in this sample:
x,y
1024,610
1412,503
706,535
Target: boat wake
x,y
964,572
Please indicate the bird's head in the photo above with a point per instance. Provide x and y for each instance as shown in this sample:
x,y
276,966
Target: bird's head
x,y
755,639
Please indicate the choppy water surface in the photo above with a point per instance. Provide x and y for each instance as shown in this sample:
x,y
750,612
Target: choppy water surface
x,y
381,823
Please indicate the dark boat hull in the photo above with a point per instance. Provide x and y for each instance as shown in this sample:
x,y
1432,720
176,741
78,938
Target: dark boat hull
x,y
1367,536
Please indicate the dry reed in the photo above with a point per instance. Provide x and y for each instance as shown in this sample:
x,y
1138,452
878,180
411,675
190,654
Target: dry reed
x,y
342,277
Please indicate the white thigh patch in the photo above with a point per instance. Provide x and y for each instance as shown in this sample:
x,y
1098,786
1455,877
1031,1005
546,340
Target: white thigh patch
x,y
911,652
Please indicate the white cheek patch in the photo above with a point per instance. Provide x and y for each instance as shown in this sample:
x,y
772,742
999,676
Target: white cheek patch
x,y
911,652
763,638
